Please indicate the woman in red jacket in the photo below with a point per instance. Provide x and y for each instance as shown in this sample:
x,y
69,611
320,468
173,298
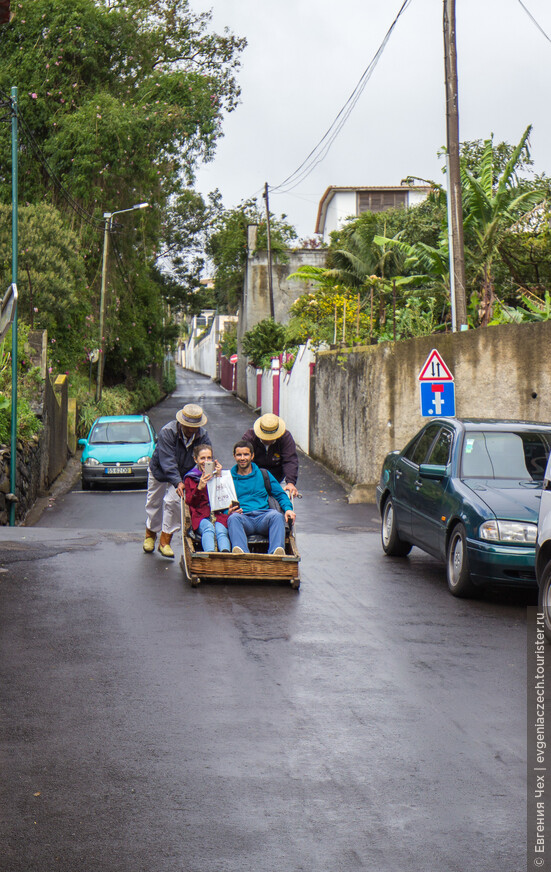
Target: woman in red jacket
x,y
197,498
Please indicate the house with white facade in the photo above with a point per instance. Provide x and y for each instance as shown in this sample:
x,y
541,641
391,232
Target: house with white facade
x,y
340,203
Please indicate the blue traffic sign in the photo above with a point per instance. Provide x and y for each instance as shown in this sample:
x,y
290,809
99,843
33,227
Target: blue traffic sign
x,y
437,398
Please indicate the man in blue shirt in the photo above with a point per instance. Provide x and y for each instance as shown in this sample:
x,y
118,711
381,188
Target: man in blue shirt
x,y
254,515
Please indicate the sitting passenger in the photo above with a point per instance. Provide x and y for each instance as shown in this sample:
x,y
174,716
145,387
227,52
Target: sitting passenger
x,y
197,498
254,515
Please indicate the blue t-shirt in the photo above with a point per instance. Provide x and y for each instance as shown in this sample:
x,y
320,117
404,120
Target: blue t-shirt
x,y
251,492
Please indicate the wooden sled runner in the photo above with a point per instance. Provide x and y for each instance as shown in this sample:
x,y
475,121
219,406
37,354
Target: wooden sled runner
x,y
258,565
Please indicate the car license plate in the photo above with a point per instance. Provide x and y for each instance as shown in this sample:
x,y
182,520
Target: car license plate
x,y
119,470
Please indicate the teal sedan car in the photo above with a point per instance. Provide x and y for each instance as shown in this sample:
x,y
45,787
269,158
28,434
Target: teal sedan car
x,y
118,449
467,492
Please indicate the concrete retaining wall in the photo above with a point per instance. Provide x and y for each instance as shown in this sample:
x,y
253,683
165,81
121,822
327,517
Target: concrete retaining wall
x,y
366,401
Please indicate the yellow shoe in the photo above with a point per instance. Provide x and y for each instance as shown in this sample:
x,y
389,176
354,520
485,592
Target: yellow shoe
x,y
148,544
166,550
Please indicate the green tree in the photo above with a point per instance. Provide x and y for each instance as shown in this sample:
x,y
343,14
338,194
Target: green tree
x,y
227,246
118,105
53,291
492,204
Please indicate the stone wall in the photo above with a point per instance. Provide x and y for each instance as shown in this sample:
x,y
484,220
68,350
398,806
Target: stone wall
x,y
41,460
29,460
366,401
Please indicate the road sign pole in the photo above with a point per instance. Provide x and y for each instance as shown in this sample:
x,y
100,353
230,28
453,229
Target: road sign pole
x,y
14,237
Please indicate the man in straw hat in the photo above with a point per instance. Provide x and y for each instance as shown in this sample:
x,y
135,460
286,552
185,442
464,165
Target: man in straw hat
x,y
275,450
172,459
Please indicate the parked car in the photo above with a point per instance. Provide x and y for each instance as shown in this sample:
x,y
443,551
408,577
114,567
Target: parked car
x,y
468,492
118,449
543,553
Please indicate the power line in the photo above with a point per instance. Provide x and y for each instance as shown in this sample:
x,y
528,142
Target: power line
x,y
321,149
540,28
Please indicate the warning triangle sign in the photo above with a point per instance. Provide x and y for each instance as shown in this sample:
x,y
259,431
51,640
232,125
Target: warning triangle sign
x,y
435,369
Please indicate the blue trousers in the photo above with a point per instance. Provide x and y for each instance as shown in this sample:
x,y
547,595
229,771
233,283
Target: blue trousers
x,y
270,523
207,529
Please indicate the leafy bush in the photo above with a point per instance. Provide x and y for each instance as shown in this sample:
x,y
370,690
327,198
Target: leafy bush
x,y
169,378
27,422
118,400
265,340
228,344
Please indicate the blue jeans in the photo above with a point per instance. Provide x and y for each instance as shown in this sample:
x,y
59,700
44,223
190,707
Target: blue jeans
x,y
207,529
270,523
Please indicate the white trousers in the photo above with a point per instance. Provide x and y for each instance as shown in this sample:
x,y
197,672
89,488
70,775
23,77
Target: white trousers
x,y
162,507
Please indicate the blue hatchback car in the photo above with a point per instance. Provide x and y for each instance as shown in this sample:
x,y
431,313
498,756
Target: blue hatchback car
x,y
467,492
117,450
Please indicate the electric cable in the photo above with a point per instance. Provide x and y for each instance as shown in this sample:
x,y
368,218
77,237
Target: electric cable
x,y
321,149
540,28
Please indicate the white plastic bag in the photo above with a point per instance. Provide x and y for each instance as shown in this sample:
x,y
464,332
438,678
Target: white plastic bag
x,y
221,491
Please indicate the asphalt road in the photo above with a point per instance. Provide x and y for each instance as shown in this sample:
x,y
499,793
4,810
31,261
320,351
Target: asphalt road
x,y
369,721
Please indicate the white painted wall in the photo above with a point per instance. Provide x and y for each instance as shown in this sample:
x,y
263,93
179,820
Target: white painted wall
x,y
294,397
416,197
341,207
202,356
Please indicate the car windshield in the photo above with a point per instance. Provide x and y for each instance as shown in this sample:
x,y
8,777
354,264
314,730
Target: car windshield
x,y
520,456
119,433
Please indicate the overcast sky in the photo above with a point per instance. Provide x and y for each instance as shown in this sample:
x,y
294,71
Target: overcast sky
x,y
305,57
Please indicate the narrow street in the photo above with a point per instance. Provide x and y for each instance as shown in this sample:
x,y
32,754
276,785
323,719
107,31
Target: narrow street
x,y
369,721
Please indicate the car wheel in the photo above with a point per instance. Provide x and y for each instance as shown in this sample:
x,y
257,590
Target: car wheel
x,y
392,544
544,600
457,564
85,484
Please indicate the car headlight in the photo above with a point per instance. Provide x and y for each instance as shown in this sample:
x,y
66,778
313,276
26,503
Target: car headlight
x,y
91,461
143,461
508,531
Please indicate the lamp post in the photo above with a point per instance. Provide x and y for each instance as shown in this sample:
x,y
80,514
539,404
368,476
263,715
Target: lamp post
x,y
108,216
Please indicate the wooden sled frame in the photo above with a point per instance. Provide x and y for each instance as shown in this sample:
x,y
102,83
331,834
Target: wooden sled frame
x,y
203,565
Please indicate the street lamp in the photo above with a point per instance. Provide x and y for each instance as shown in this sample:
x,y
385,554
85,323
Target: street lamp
x,y
107,229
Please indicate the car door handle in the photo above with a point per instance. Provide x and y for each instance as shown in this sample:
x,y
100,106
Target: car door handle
x,y
418,484
398,473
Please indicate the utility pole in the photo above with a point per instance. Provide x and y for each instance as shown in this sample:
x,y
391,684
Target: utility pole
x,y
14,258
455,202
269,243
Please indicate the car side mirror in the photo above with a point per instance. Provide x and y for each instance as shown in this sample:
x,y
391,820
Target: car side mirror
x,y
433,470
82,443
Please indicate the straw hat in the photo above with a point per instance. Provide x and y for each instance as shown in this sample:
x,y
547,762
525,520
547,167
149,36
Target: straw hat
x,y
191,416
269,427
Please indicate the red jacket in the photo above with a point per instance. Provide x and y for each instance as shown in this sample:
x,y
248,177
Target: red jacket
x,y
198,500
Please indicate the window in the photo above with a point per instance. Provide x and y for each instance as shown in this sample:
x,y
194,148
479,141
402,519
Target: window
x,y
380,201
120,432
418,450
521,456
441,450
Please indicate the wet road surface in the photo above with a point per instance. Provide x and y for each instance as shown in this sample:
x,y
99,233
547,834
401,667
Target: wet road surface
x,y
369,721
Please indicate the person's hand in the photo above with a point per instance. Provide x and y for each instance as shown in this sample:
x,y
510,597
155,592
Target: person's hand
x,y
290,516
235,509
180,490
290,488
217,468
202,483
